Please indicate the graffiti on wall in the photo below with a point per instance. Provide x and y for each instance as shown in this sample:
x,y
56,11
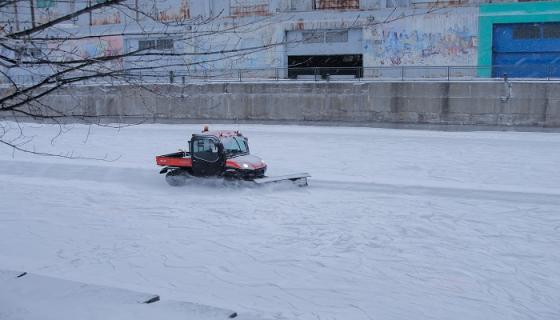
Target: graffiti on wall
x,y
99,19
253,53
337,4
93,48
169,11
164,10
240,8
427,40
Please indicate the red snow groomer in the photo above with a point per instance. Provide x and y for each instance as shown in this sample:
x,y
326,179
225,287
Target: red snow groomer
x,y
222,154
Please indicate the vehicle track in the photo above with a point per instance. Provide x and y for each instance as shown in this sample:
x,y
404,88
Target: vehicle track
x,y
148,178
448,191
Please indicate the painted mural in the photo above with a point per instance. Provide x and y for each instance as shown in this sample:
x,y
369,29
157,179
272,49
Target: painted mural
x,y
165,10
92,48
250,56
241,8
106,16
170,11
430,39
337,4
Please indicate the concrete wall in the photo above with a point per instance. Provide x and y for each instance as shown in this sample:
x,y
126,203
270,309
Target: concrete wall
x,y
472,103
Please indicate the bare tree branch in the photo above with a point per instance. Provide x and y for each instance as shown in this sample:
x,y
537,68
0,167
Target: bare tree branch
x,y
67,17
50,56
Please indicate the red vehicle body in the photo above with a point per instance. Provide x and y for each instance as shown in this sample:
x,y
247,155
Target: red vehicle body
x,y
183,159
220,154
213,153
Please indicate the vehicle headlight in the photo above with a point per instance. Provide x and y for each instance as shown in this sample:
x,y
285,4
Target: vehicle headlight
x,y
246,166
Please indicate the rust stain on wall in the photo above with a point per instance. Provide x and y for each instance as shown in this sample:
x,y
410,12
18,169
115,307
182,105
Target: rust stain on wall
x,y
300,25
242,8
171,14
110,18
337,4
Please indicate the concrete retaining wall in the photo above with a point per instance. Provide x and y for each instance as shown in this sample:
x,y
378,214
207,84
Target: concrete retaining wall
x,y
471,103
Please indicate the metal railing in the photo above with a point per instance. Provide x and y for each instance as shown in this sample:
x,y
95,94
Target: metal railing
x,y
338,74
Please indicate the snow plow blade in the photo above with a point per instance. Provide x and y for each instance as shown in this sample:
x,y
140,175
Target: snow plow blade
x,y
298,178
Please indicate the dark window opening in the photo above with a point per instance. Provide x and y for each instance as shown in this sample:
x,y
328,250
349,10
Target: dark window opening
x,y
337,36
146,44
163,44
313,37
234,145
325,66
551,30
160,44
527,31
206,149
35,53
32,52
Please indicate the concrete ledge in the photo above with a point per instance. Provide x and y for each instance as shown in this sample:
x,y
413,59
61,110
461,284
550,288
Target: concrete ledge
x,y
447,103
34,297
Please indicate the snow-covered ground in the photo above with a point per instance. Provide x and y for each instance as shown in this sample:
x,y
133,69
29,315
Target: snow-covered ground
x,y
25,296
396,224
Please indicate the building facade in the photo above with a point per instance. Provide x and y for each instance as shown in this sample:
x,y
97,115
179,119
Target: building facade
x,y
295,38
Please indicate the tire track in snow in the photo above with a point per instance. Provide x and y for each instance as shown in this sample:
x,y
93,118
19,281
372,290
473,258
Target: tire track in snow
x,y
81,172
447,191
136,177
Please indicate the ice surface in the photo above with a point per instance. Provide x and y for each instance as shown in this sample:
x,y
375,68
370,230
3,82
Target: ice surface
x,y
395,224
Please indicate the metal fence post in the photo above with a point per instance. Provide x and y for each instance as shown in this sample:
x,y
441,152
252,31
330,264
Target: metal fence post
x,y
447,73
239,72
402,73
171,77
276,73
315,75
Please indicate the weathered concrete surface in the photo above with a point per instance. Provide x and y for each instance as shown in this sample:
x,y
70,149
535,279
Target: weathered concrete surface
x,y
529,104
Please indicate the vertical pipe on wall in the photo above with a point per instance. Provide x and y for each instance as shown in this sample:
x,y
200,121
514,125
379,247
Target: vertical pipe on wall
x,y
72,6
16,15
136,11
32,9
90,14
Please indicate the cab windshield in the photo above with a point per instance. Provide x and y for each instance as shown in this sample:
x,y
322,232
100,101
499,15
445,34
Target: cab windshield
x,y
235,145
